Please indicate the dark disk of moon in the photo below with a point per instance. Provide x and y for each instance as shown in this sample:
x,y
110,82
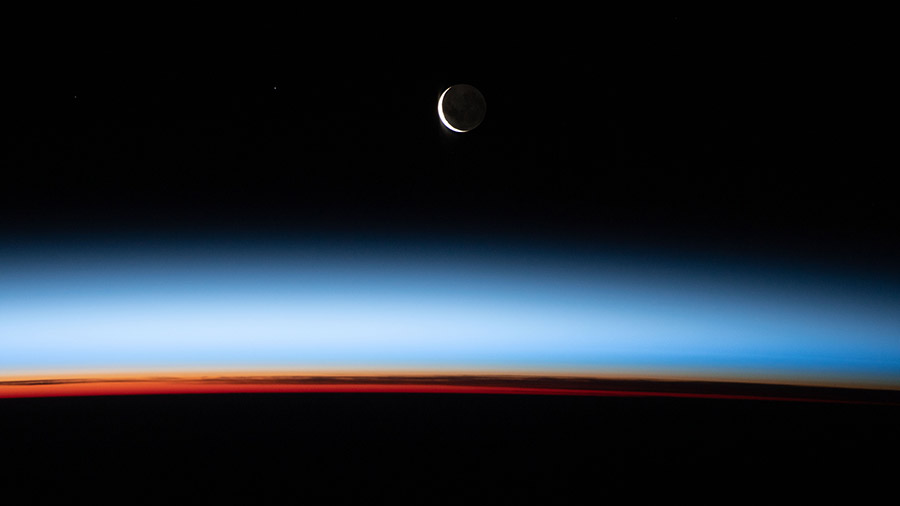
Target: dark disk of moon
x,y
461,107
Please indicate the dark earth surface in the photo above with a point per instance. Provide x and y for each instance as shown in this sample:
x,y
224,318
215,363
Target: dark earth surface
x,y
440,448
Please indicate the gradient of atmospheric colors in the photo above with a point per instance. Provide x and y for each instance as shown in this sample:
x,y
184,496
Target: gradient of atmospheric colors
x,y
301,308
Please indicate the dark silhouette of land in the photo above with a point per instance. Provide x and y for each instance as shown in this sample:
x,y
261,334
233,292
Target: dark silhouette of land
x,y
449,448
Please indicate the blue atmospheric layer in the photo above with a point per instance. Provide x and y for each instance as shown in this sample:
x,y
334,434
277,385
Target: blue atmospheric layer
x,y
402,306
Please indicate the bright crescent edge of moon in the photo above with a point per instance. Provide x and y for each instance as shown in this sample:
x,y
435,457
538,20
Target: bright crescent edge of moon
x,y
441,113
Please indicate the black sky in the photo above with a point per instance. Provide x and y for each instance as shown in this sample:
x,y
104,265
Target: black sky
x,y
717,132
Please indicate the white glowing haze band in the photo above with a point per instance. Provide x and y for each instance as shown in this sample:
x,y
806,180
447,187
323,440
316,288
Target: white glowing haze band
x,y
441,113
291,308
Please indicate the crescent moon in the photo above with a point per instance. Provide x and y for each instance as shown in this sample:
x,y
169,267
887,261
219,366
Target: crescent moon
x,y
441,113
